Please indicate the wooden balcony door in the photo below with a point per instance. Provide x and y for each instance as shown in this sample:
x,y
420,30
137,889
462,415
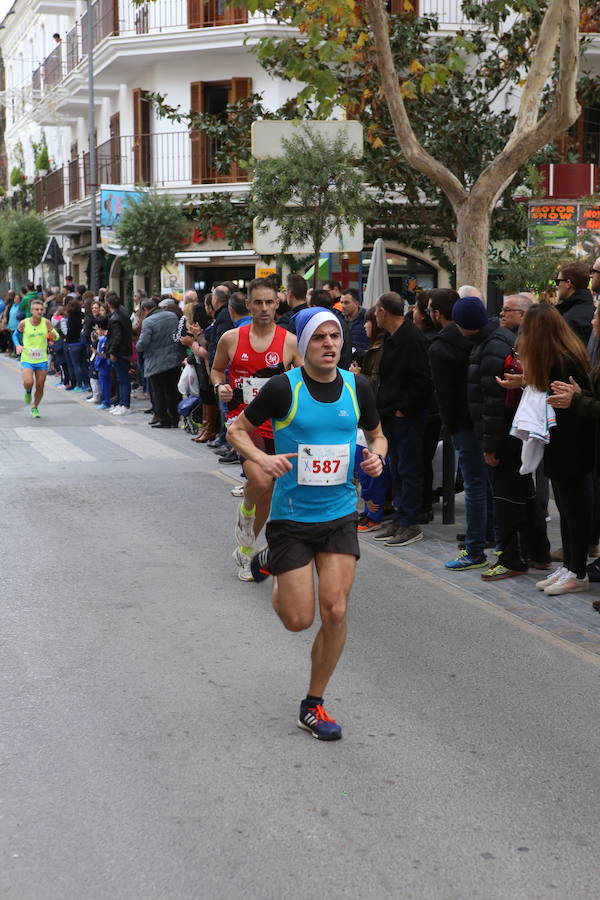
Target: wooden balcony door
x,y
207,13
142,163
213,97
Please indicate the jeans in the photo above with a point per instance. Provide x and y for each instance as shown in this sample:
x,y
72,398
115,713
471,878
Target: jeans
x,y
121,368
104,383
475,479
405,453
74,364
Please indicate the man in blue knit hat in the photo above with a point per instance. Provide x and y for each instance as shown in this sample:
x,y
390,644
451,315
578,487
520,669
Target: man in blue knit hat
x,y
315,411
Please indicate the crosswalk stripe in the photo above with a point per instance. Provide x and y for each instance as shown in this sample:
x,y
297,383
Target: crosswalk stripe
x,y
52,445
138,444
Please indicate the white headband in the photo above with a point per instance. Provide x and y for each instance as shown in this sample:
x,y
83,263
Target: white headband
x,y
312,325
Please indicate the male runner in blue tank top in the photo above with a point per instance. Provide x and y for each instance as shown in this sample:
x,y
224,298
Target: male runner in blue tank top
x,y
315,410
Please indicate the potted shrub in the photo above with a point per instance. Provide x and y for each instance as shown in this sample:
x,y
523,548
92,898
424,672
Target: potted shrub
x,y
42,161
17,177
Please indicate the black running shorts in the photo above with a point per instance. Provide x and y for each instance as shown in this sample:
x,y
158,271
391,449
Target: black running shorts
x,y
294,544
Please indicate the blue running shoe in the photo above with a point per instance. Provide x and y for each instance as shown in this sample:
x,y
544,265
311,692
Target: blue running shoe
x,y
318,722
463,561
261,565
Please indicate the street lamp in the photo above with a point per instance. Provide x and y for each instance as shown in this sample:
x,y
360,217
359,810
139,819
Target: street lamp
x,y
92,151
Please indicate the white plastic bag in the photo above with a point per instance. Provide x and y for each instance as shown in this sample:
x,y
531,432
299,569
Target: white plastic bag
x,y
188,382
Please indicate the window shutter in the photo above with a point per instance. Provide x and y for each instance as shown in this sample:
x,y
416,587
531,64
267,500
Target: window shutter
x,y
197,137
195,13
240,88
141,137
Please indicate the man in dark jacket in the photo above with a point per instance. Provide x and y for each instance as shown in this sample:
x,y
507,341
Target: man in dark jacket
x,y
222,321
520,524
297,288
118,347
576,303
355,316
449,354
403,401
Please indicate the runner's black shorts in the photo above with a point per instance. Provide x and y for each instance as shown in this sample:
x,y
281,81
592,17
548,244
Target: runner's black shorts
x,y
294,544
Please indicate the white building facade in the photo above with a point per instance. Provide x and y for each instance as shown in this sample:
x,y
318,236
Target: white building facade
x,y
197,53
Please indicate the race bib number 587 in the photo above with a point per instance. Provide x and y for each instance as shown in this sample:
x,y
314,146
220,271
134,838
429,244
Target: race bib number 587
x,y
323,464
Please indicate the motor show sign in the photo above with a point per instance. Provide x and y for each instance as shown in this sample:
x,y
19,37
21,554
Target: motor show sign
x,y
566,225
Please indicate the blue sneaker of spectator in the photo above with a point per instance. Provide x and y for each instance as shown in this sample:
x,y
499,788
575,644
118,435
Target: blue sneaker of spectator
x,y
463,561
105,406
261,565
318,722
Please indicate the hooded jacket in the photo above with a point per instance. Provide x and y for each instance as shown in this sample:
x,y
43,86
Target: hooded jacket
x,y
578,312
449,353
491,416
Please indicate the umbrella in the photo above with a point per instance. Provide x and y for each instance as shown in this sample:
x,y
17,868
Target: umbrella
x,y
378,281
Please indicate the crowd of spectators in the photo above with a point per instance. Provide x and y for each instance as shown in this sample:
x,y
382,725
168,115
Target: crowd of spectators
x,y
438,366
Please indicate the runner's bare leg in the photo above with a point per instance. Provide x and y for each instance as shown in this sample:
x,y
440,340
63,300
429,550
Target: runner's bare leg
x,y
336,575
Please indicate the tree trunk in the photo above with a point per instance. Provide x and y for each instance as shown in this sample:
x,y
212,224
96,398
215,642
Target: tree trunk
x,y
472,238
155,281
317,273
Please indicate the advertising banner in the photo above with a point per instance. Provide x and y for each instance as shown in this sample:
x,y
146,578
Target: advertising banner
x,y
566,226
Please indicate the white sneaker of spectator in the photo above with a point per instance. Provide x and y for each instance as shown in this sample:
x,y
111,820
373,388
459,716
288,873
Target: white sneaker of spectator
x,y
122,411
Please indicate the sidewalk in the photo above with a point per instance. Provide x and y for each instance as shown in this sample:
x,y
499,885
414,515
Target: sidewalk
x,y
569,616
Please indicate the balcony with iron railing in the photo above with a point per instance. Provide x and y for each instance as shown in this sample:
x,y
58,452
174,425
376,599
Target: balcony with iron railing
x,y
115,18
179,159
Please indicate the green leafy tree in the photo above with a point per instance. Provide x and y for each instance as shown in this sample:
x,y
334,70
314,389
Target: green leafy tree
x,y
311,192
530,267
152,230
24,239
339,36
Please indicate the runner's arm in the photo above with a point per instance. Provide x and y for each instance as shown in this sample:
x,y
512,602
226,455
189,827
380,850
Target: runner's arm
x,y
223,356
238,435
21,325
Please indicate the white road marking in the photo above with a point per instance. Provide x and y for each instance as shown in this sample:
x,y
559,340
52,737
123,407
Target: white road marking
x,y
138,444
52,445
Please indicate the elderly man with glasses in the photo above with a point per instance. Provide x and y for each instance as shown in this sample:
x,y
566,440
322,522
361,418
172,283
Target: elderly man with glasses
x,y
513,309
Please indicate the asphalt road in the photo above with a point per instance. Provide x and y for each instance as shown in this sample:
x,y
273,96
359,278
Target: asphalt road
x,y
149,700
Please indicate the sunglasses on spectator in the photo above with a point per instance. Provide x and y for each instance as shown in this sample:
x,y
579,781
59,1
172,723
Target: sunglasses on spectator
x,y
596,271
558,280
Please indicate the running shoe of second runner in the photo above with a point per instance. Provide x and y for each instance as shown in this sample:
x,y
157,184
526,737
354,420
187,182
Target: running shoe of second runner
x,y
244,527
243,561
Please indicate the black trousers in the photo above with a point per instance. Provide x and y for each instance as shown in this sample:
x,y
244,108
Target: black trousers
x,y
572,498
165,395
520,522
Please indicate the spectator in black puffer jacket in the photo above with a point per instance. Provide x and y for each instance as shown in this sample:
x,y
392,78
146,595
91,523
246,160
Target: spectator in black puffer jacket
x,y
519,521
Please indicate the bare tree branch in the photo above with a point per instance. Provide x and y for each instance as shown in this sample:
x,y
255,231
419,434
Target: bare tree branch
x,y
540,71
415,154
562,113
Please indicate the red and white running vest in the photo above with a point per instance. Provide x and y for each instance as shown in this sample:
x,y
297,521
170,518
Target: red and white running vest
x,y
249,370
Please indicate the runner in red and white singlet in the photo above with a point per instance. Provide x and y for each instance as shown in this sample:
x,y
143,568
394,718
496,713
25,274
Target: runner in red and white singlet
x,y
253,353
249,370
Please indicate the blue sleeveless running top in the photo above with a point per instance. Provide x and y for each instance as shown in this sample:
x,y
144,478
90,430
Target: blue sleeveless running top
x,y
320,486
